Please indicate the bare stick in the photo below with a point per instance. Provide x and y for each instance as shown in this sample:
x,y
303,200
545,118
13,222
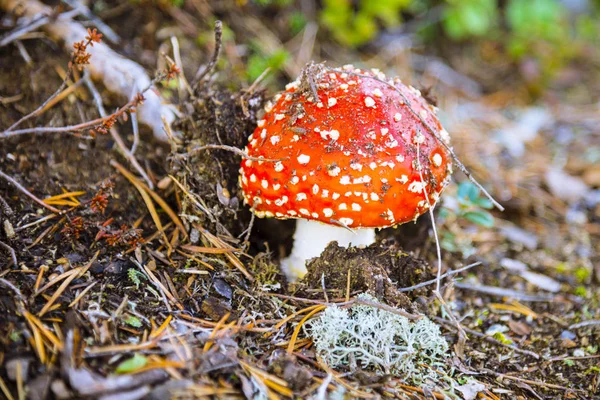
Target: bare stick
x,y
28,193
227,148
13,255
461,166
487,338
200,74
115,135
136,132
118,74
68,128
583,324
447,274
431,207
105,29
5,208
31,26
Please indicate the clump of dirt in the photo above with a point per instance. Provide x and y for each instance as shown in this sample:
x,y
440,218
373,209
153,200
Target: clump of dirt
x,y
215,117
379,269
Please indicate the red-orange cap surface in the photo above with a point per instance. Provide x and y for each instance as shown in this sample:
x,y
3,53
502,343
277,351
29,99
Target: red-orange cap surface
x,y
350,157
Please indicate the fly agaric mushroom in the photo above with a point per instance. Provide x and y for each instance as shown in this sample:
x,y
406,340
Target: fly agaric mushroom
x,y
346,151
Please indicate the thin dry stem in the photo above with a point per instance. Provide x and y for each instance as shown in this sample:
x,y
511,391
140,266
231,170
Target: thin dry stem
x,y
28,193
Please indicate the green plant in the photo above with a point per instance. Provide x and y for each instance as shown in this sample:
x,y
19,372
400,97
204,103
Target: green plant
x,y
353,26
470,205
259,61
463,19
380,340
134,276
132,364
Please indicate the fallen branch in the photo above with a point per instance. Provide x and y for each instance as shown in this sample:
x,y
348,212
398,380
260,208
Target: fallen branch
x,y
120,75
28,193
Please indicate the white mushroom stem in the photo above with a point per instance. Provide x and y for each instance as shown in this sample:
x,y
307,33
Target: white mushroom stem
x,y
311,238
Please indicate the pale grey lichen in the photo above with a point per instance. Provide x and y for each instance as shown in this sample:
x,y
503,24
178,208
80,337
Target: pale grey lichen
x,y
375,339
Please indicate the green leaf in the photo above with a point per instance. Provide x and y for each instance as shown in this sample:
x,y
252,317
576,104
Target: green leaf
x,y
133,321
480,217
132,364
568,362
484,203
468,191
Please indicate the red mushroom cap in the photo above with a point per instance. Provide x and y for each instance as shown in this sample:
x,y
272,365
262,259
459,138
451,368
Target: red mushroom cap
x,y
349,158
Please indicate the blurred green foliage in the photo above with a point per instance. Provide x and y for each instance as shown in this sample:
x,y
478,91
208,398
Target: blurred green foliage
x,y
259,61
472,205
464,19
353,26
542,35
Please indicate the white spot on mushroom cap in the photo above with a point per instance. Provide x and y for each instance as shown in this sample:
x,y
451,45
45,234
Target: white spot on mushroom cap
x,y
334,171
281,201
252,178
437,159
264,183
397,117
301,196
314,215
315,189
292,85
342,206
261,123
369,102
294,180
356,207
274,139
327,212
347,221
335,196
377,93
278,166
304,211
345,180
363,179
403,179
331,102
303,159
416,186
419,138
374,196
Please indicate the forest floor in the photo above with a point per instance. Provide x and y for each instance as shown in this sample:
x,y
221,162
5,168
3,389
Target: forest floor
x,y
127,291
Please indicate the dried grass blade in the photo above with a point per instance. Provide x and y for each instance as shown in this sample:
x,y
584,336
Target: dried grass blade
x,y
59,291
161,328
290,348
62,196
159,200
5,390
215,241
145,196
208,250
55,281
277,326
83,293
34,321
162,287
